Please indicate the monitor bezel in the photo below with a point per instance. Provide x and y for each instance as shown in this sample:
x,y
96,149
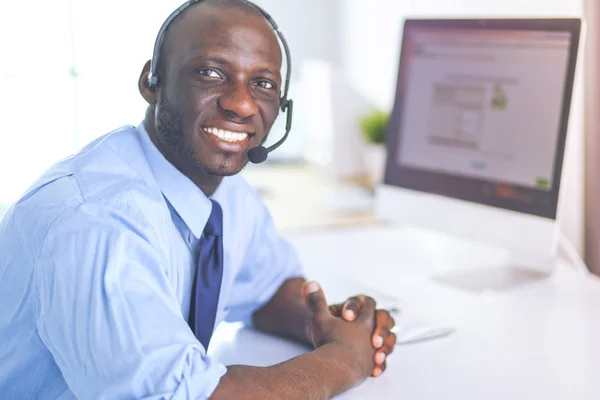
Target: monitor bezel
x,y
465,188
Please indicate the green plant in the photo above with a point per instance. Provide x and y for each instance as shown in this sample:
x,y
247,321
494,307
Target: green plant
x,y
374,125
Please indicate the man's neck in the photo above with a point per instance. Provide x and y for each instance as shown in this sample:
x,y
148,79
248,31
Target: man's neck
x,y
208,184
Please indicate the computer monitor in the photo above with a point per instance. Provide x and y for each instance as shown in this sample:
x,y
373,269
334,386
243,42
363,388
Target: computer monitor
x,y
477,136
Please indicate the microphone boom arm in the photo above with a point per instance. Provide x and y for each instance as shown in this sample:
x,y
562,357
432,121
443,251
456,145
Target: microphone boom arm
x,y
288,126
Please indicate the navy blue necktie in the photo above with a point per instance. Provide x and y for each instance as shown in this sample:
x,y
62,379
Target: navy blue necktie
x,y
207,286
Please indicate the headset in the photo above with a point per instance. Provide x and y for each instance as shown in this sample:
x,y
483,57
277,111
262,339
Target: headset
x,y
259,154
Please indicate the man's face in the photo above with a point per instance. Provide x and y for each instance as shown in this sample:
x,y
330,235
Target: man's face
x,y
219,90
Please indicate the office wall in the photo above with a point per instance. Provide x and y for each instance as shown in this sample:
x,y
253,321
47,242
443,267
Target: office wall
x,y
68,74
36,99
371,50
312,30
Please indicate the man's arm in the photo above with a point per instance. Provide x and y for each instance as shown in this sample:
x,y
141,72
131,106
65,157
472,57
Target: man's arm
x,y
106,312
319,374
286,313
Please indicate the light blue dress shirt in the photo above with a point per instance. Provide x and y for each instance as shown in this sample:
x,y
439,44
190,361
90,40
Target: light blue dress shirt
x,y
96,271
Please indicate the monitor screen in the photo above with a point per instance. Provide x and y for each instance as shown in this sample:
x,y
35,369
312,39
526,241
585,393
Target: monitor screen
x,y
481,110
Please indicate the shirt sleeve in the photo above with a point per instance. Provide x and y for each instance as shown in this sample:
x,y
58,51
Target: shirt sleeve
x,y
108,315
270,260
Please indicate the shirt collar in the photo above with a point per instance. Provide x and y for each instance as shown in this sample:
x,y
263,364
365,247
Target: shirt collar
x,y
185,197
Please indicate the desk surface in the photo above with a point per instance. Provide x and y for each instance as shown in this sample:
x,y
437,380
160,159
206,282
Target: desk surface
x,y
539,340
317,198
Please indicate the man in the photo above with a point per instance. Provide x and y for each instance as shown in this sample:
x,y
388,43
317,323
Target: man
x,y
98,283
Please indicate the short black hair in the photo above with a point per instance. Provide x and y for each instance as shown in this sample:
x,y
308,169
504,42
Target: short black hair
x,y
243,5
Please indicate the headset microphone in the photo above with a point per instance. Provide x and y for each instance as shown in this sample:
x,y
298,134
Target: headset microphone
x,y
258,154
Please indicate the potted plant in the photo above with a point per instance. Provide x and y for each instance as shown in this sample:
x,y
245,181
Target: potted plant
x,y
374,127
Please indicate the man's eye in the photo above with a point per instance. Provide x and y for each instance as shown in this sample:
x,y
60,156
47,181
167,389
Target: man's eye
x,y
265,84
209,73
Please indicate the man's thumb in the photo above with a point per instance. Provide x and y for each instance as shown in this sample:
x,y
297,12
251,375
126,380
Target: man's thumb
x,y
315,298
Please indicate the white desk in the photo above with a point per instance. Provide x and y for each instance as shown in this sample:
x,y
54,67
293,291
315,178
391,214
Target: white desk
x,y
537,341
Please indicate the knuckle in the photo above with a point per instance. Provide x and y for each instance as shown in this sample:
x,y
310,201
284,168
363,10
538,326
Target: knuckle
x,y
371,301
392,322
388,349
392,339
368,301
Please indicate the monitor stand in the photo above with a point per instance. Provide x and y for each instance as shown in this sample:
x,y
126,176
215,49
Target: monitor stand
x,y
467,264
494,269
472,246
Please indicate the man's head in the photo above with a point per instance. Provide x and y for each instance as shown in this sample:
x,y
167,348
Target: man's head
x,y
219,87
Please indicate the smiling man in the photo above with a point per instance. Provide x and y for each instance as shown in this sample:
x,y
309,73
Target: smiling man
x,y
118,263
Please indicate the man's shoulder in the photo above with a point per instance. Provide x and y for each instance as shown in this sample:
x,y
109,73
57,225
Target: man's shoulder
x,y
114,166
110,170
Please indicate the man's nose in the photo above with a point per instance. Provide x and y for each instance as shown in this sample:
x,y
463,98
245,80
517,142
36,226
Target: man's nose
x,y
238,102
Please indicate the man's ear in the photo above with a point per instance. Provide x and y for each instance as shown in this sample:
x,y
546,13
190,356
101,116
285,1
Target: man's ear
x,y
148,93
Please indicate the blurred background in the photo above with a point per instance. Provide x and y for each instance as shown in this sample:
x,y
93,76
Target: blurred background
x,y
69,71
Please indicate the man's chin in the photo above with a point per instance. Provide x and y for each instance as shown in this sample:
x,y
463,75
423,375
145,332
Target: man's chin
x,y
223,173
225,169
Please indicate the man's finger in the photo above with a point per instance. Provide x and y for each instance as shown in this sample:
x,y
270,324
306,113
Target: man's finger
x,y
383,324
315,298
390,343
385,350
378,370
385,315
351,308
367,308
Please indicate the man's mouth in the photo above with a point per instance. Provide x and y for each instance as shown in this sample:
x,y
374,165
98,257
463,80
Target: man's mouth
x,y
226,135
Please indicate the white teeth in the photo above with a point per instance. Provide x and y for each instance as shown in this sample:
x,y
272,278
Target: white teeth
x,y
226,135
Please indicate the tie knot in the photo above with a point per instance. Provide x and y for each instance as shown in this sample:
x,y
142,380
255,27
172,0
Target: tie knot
x,y
214,225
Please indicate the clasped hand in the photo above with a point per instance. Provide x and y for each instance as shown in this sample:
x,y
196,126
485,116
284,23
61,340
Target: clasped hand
x,y
356,322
